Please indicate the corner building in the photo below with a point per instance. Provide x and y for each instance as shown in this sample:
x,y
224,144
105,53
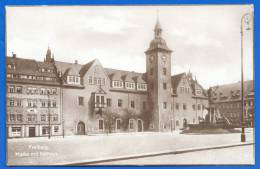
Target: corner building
x,y
94,99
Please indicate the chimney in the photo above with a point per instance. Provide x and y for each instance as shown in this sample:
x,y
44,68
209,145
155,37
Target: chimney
x,y
76,61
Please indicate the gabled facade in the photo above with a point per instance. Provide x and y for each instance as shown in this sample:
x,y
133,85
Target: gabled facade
x,y
189,100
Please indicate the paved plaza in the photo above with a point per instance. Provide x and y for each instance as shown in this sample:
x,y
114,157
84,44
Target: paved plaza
x,y
77,149
239,155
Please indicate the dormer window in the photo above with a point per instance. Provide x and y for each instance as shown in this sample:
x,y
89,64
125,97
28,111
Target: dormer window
x,y
141,86
129,85
117,84
75,80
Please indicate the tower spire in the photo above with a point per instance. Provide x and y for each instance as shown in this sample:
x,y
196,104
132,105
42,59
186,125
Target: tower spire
x,y
157,28
48,55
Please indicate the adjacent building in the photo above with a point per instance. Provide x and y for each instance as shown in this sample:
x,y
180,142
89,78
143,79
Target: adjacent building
x,y
227,100
33,97
88,98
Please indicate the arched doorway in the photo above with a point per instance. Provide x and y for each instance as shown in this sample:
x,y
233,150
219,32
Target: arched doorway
x,y
81,128
139,125
185,123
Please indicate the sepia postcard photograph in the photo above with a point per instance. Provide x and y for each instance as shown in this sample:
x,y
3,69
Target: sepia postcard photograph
x,y
130,85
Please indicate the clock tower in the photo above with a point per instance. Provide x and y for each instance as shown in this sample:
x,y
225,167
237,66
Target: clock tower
x,y
158,70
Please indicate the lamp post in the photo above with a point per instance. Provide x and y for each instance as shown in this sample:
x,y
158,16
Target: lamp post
x,y
245,19
49,118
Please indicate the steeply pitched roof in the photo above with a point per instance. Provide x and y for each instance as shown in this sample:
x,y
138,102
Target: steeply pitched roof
x,y
86,67
121,75
68,68
21,66
231,92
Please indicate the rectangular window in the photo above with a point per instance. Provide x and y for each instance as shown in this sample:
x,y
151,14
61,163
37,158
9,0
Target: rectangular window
x,y
12,117
55,117
165,105
120,102
43,117
97,99
90,80
11,102
19,117
42,91
118,124
81,101
177,106
131,124
54,104
18,103
43,103
132,104
54,91
56,129
164,71
31,117
16,131
184,106
199,107
194,107
102,100
11,89
108,102
45,130
18,89
164,86
101,124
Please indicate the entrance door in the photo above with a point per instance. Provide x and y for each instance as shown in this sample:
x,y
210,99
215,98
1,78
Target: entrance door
x,y
31,131
139,125
81,128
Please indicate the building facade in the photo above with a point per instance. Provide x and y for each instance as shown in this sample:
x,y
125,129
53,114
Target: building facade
x,y
227,100
33,98
92,99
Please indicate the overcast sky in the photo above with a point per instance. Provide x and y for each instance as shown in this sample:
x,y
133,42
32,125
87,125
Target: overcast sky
x,y
204,39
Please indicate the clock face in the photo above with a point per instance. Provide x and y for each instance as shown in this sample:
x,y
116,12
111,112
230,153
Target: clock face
x,y
164,58
151,58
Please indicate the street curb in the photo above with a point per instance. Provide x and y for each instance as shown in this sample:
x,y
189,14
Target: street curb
x,y
134,156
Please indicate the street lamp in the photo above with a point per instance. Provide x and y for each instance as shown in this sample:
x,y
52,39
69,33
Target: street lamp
x,y
245,19
49,118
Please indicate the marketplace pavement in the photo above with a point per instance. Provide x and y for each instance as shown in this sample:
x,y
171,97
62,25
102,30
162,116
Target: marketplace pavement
x,y
239,155
77,149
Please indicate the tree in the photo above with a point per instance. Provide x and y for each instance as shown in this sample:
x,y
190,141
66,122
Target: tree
x,y
110,115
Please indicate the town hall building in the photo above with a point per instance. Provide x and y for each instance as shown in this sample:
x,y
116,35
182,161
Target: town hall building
x,y
59,98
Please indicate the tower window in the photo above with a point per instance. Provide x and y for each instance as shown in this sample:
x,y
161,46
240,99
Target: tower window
x,y
81,101
184,106
164,71
165,105
120,102
164,86
177,106
132,104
